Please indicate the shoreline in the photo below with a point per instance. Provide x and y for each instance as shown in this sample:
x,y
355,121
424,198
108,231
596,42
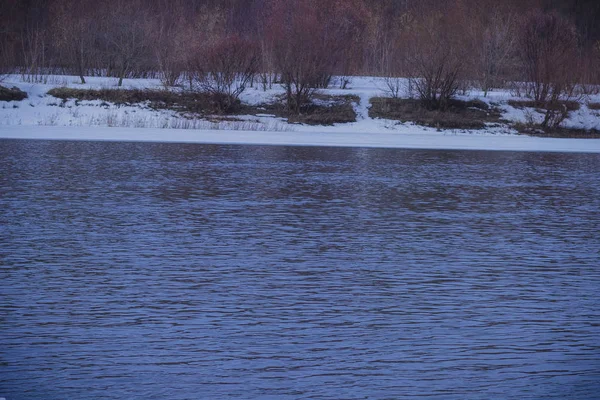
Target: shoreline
x,y
427,141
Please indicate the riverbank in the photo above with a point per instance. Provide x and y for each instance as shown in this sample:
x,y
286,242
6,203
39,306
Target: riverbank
x,y
44,116
415,140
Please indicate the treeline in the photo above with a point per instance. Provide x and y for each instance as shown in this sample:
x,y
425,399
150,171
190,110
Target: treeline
x,y
224,45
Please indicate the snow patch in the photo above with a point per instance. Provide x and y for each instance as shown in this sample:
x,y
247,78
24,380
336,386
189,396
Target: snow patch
x,y
42,116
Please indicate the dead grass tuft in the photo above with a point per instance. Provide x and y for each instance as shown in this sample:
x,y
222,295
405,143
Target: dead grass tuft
x,y
198,103
520,104
13,94
324,110
559,132
474,114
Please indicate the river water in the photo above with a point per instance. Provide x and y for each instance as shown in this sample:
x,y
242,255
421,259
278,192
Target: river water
x,y
174,271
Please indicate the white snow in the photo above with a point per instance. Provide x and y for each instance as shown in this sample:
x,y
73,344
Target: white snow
x,y
44,117
315,138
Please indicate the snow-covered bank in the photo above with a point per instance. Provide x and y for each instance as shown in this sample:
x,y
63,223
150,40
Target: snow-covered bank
x,y
42,116
338,139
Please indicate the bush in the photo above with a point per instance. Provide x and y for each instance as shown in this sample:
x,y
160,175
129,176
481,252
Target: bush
x,y
14,94
224,70
301,53
547,49
437,61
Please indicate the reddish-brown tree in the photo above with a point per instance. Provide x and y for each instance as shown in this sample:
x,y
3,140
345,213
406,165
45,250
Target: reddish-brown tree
x,y
126,33
74,33
225,69
342,37
437,56
547,49
298,49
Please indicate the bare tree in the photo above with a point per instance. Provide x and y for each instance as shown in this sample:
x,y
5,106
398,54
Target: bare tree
x,y
589,76
74,33
302,50
547,49
148,38
126,35
437,59
548,52
33,41
169,49
497,42
225,69
384,46
345,36
7,39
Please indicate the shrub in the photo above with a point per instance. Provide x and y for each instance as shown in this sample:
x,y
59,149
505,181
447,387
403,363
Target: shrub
x,y
436,61
225,69
306,48
495,31
547,49
394,86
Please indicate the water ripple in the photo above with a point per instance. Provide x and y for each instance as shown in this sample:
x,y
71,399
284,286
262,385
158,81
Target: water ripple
x,y
176,271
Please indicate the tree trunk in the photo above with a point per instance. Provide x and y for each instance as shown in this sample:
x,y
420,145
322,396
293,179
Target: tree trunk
x,y
81,74
121,76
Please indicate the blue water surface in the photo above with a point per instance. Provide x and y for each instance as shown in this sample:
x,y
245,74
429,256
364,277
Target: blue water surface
x,y
174,271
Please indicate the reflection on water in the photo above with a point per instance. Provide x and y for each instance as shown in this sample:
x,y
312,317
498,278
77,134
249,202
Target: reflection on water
x,y
175,271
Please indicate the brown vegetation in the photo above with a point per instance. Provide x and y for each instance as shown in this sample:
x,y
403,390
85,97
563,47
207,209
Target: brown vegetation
x,y
594,106
569,105
157,99
13,94
328,110
224,69
558,132
437,59
457,115
548,52
471,39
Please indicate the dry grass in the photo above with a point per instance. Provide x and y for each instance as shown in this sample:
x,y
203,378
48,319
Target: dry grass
x,y
198,103
324,110
332,110
565,133
115,119
13,94
521,104
473,114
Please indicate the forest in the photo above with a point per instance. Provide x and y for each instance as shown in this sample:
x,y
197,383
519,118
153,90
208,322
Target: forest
x,y
547,50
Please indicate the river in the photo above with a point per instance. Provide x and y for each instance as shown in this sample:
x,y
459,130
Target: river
x,y
183,271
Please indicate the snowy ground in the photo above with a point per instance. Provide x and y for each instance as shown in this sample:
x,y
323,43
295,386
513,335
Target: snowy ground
x,y
316,138
43,116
